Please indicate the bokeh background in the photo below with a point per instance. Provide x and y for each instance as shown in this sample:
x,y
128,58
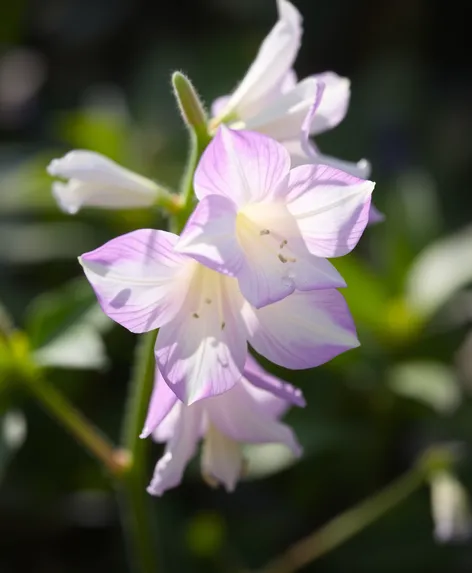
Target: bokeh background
x,y
95,74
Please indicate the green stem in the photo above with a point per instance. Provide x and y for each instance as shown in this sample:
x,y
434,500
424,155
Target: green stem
x,y
169,202
349,523
199,139
136,507
75,423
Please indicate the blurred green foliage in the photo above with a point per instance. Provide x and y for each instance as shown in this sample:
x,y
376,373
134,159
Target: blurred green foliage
x,y
103,83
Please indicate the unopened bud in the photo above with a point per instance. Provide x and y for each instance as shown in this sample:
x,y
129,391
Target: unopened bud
x,y
190,106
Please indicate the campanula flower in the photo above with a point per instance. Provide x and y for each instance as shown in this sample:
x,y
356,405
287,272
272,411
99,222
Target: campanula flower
x,y
96,181
271,100
205,323
269,226
247,414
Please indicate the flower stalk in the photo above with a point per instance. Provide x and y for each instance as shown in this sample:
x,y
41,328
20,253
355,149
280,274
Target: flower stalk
x,y
136,510
74,422
354,520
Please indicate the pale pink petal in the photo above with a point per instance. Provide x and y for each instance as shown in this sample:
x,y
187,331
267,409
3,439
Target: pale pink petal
x,y
271,385
161,403
242,166
210,235
138,278
166,429
276,258
375,216
238,415
203,351
274,59
304,330
179,450
331,208
334,102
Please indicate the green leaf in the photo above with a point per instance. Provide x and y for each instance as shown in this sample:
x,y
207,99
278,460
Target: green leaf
x,y
431,383
440,271
64,327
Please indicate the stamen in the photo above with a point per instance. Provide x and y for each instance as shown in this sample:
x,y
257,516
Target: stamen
x,y
283,243
264,232
195,315
223,324
282,259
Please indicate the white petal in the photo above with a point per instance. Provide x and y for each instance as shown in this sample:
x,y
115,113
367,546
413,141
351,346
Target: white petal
x,y
97,181
222,460
334,102
274,59
283,118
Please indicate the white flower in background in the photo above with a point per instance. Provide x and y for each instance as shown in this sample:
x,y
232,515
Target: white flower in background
x,y
96,181
450,508
270,100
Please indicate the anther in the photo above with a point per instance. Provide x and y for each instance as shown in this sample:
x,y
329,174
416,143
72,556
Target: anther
x,y
264,232
282,259
195,315
208,300
223,324
283,243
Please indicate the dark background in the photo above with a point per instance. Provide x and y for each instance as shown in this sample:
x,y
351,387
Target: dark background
x,y
96,74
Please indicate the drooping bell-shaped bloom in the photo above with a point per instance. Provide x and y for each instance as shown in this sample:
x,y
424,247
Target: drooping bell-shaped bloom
x,y
96,181
247,414
271,100
143,283
269,226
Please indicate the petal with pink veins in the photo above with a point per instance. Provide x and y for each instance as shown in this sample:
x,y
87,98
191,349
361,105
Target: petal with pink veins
x,y
303,330
139,279
242,166
331,208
